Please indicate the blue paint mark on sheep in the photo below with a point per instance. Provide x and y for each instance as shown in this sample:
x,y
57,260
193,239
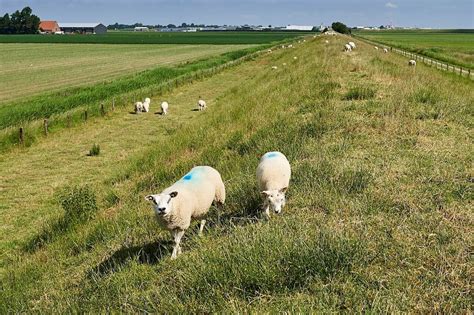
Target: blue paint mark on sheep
x,y
194,175
188,177
271,155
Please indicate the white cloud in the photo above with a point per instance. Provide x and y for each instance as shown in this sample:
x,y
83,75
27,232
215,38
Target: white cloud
x,y
391,5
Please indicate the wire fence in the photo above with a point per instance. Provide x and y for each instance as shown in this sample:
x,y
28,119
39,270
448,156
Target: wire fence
x,y
438,64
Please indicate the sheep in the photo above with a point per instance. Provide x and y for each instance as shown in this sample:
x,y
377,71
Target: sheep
x,y
412,62
274,67
290,46
146,105
295,58
201,104
273,178
376,48
164,108
347,47
270,51
138,107
187,199
326,41
385,50
352,44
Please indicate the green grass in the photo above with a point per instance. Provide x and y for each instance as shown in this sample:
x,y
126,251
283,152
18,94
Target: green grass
x,y
378,216
27,70
453,46
211,38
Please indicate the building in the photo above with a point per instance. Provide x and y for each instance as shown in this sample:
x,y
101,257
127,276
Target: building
x,y
49,27
141,29
83,28
299,27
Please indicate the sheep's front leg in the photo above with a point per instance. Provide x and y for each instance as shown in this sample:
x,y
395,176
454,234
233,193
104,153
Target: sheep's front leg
x,y
177,235
201,227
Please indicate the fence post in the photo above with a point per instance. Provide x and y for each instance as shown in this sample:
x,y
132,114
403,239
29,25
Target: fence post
x,y
460,71
85,115
22,139
113,103
69,121
45,125
102,110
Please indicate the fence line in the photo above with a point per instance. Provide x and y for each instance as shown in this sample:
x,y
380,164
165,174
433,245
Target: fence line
x,y
440,65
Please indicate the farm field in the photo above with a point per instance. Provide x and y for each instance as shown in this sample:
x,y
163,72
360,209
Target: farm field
x,y
30,69
378,218
456,47
210,38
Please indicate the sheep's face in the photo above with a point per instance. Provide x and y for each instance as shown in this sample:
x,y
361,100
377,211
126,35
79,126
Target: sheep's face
x,y
162,203
275,199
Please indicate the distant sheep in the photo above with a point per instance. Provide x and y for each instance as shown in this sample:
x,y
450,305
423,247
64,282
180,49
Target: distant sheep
x,y
164,108
290,46
274,67
269,50
352,44
385,50
201,104
138,107
273,178
187,199
295,58
347,47
146,105
412,63
376,48
326,41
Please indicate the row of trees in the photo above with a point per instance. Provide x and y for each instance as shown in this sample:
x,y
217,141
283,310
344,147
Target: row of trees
x,y
20,22
127,26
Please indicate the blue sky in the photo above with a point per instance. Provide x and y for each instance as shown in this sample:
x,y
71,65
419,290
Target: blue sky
x,y
420,13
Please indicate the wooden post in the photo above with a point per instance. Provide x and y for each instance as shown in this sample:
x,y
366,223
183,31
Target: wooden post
x,y
113,104
45,125
460,71
102,110
22,139
69,121
85,115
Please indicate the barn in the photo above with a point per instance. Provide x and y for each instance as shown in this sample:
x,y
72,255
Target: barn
x,y
83,28
49,27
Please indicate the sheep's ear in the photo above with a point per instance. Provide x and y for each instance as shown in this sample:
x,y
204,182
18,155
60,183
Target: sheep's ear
x,y
150,198
173,194
265,193
283,190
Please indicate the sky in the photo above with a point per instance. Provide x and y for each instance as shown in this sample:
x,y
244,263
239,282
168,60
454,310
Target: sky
x,y
414,13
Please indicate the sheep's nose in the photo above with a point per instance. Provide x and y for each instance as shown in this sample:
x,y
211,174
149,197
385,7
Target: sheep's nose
x,y
161,209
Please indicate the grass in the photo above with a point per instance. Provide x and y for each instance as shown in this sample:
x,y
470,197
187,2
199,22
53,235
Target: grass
x,y
378,218
27,70
210,38
453,46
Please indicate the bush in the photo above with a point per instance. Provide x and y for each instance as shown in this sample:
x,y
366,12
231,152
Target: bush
x,y
95,150
340,28
79,203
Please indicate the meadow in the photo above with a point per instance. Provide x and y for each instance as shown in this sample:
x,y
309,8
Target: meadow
x,y
453,46
379,215
210,38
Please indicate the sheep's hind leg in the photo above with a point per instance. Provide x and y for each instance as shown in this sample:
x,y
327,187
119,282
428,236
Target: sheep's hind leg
x,y
177,235
201,227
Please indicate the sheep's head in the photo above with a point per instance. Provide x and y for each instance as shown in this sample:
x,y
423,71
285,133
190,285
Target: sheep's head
x,y
162,203
275,199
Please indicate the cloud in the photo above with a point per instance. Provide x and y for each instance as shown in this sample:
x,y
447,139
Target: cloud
x,y
391,5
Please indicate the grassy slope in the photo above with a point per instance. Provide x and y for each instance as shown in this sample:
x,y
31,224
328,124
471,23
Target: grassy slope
x,y
378,215
453,47
211,38
29,69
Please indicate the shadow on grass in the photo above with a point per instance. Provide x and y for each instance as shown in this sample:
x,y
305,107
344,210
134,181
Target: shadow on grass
x,y
149,254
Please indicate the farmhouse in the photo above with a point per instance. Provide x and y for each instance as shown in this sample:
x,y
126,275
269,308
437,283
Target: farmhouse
x,y
49,27
141,29
299,27
83,28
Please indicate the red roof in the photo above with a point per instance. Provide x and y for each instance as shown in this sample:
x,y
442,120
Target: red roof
x,y
49,25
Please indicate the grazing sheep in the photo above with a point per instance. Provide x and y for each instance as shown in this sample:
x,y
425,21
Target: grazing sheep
x,y
274,67
164,108
269,50
385,50
283,46
295,58
412,62
273,177
187,199
376,48
347,47
138,107
352,44
326,41
290,46
201,104
146,105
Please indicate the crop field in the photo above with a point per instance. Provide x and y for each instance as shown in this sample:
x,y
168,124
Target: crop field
x,y
379,213
31,69
211,38
455,47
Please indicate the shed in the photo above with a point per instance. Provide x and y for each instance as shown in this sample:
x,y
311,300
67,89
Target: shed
x,y
49,27
83,28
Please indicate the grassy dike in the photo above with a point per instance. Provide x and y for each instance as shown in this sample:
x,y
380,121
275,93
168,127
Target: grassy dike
x,y
378,217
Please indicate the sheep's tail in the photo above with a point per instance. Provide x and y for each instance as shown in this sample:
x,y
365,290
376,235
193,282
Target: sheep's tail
x,y
220,194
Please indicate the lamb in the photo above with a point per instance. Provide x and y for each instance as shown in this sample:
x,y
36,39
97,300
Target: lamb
x,y
201,104
187,199
273,178
352,44
164,108
146,105
385,50
269,50
347,47
290,46
376,48
412,62
274,67
138,107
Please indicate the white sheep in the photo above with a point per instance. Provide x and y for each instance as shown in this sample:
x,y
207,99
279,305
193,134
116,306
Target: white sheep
x,y
273,178
187,199
269,50
138,107
352,44
201,104
385,50
376,48
290,46
146,105
347,47
274,67
164,108
326,41
295,58
412,62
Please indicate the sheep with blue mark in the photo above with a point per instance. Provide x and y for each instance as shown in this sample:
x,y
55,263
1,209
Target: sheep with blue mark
x,y
187,199
273,177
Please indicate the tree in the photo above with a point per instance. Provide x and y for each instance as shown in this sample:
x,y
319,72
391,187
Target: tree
x,y
340,28
20,22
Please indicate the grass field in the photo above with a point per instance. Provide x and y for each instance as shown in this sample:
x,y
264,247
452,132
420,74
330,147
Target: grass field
x,y
455,47
30,69
211,38
379,217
